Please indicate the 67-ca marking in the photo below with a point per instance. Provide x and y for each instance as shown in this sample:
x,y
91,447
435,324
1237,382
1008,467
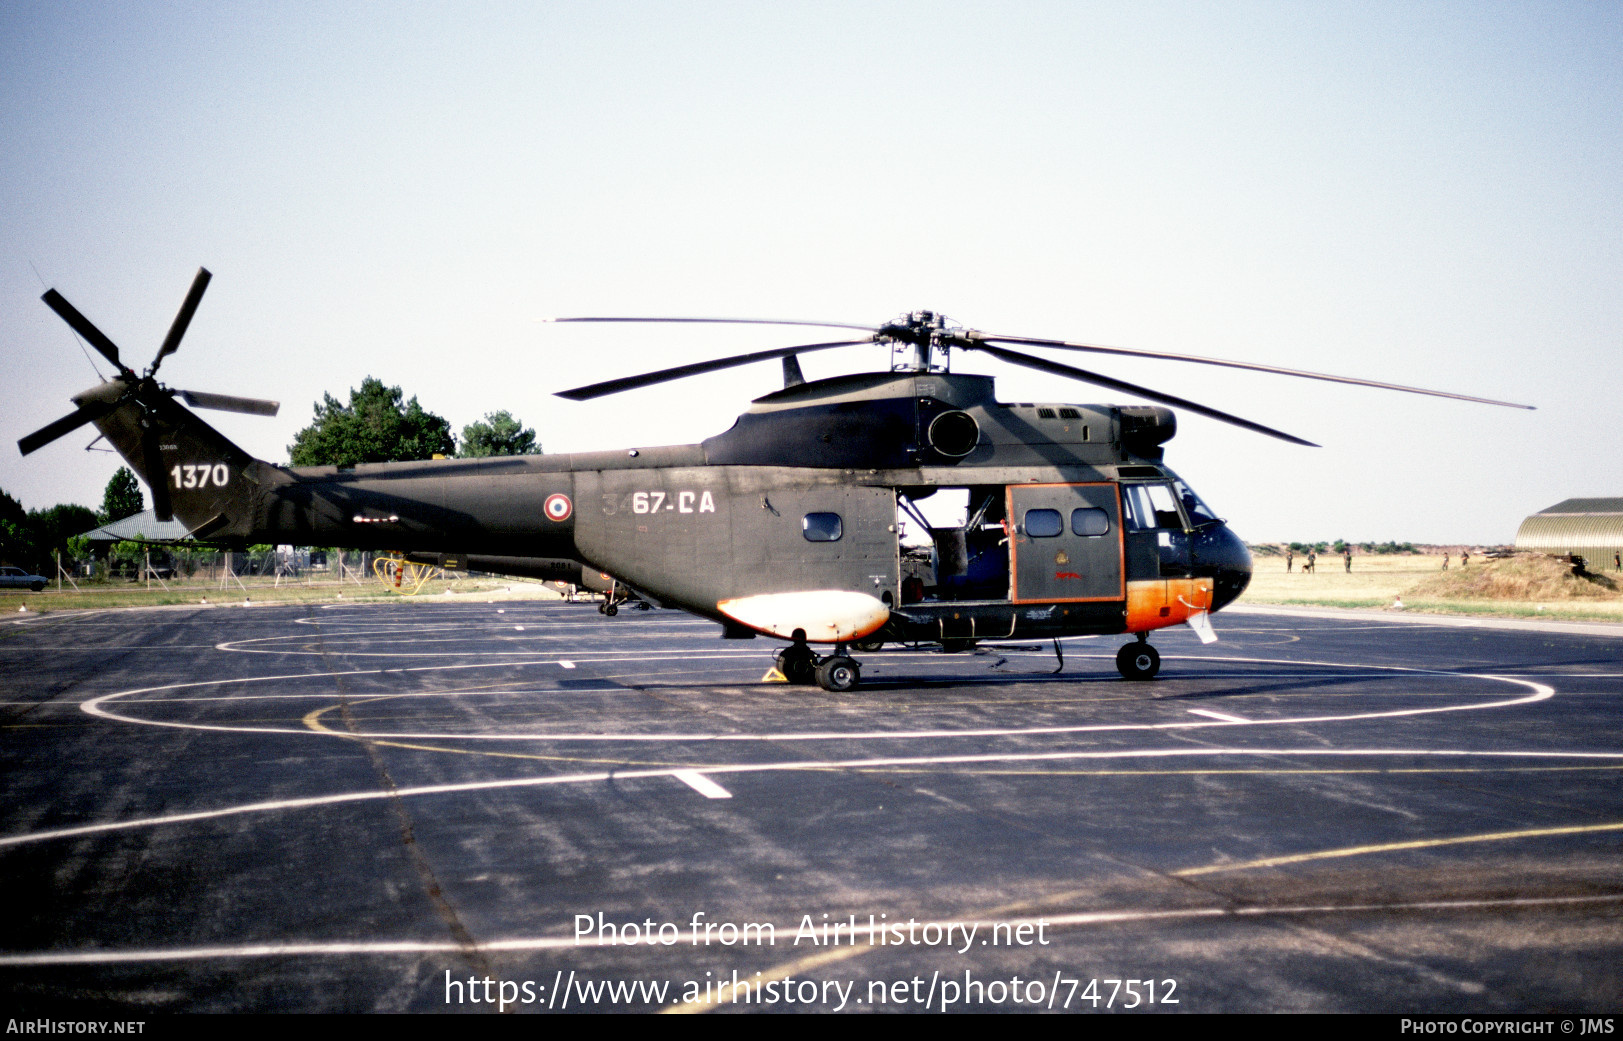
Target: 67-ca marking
x,y
685,502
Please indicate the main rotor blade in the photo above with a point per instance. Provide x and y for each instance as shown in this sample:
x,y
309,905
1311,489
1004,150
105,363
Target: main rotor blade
x,y
229,403
188,307
1044,365
1029,341
648,379
719,321
81,325
66,425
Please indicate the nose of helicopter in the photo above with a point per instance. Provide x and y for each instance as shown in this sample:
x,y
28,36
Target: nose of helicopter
x,y
1219,554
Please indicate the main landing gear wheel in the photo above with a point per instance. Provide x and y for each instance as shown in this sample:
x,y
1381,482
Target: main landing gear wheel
x,y
1138,661
609,609
798,664
838,674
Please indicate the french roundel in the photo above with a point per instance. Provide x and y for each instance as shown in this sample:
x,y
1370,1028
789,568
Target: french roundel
x,y
558,507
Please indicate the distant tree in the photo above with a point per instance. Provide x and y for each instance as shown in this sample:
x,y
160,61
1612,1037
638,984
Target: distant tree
x,y
28,539
12,510
122,497
17,546
61,522
497,434
377,426
57,529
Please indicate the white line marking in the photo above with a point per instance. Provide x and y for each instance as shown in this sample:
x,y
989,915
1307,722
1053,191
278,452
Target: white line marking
x,y
702,784
561,943
562,664
764,768
1224,716
98,707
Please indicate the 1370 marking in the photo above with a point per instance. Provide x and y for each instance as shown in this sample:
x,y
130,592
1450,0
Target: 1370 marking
x,y
200,476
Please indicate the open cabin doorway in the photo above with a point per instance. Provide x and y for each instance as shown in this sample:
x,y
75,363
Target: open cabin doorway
x,y
954,543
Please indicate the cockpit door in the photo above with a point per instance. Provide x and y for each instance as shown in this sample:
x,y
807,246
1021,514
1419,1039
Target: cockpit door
x,y
1067,542
1157,538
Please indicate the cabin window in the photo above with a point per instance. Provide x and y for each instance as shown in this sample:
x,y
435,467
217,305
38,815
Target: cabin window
x,y
1043,524
822,527
1090,520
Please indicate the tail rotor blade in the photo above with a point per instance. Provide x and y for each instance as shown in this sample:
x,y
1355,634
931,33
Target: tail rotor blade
x,y
188,307
1055,368
82,325
229,403
66,425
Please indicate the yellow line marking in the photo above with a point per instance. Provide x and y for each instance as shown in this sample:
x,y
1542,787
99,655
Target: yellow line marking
x,y
782,972
1391,847
565,943
828,957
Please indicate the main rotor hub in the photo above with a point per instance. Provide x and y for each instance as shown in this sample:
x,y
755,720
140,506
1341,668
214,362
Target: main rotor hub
x,y
927,333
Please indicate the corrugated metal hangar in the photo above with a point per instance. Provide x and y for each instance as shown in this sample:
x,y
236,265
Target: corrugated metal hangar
x,y
1589,528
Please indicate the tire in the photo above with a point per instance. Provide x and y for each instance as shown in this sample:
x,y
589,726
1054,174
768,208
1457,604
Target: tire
x,y
38,587
1138,661
798,666
869,645
611,610
838,674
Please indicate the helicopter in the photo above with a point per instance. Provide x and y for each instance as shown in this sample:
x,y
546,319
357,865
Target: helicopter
x,y
789,524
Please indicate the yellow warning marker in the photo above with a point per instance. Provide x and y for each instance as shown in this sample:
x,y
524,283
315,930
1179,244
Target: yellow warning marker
x,y
774,676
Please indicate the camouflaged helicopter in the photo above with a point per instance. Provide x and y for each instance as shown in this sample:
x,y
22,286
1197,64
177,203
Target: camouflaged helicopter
x,y
790,523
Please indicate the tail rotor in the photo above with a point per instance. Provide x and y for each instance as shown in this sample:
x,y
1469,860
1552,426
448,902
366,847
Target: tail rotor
x,y
143,390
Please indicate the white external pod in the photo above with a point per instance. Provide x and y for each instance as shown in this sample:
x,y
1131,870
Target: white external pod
x,y
827,615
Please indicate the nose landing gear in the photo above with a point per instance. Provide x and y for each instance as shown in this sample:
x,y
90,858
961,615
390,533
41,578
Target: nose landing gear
x,y
1138,661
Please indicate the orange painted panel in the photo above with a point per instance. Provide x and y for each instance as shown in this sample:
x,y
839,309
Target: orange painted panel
x,y
1159,602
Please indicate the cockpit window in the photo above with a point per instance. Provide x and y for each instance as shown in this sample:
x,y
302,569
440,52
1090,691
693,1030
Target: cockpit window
x,y
1150,506
1197,512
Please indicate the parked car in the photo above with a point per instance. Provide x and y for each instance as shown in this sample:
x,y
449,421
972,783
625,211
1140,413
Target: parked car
x,y
17,578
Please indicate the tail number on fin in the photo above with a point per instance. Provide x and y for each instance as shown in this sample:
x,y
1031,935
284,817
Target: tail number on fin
x,y
200,476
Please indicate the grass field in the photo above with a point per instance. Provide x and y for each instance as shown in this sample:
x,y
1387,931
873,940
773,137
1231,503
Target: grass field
x,y
1511,588
255,590
1377,581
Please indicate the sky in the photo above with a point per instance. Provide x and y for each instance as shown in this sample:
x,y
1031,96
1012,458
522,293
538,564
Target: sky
x,y
1419,193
